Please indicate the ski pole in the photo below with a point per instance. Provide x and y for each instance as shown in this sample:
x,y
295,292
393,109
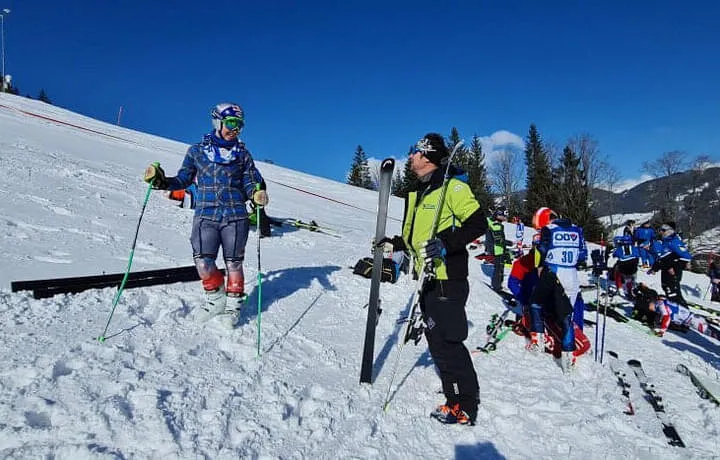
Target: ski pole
x,y
607,300
597,313
259,274
102,337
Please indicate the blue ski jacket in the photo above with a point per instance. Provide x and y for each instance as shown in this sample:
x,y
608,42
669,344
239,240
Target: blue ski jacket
x,y
226,177
674,251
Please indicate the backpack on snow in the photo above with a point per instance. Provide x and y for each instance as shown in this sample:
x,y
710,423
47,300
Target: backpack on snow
x,y
364,267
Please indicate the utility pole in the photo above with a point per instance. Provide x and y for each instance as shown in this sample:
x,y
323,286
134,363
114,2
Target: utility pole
x,y
3,13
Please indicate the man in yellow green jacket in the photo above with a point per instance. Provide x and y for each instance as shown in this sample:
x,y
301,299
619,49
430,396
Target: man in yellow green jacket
x,y
443,298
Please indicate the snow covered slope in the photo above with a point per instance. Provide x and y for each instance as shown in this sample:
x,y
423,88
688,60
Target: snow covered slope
x,y
163,386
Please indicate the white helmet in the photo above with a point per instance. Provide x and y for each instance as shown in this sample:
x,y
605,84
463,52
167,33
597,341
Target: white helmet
x,y
227,110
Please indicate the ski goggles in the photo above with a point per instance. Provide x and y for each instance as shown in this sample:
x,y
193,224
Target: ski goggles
x,y
233,123
422,147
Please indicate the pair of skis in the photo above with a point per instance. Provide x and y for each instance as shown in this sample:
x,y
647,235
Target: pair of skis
x,y
313,227
496,330
651,395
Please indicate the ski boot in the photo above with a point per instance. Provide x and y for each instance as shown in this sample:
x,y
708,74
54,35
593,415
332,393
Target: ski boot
x,y
567,362
215,302
452,414
536,342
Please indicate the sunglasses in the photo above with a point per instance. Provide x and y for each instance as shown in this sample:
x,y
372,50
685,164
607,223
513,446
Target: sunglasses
x,y
233,123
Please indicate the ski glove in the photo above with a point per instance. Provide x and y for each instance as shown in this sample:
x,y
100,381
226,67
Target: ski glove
x,y
432,249
397,242
155,175
260,198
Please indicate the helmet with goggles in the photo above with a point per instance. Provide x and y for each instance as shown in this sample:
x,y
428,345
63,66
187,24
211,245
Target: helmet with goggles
x,y
229,115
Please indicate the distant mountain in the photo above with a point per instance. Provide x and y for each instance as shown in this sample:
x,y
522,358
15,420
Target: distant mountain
x,y
687,191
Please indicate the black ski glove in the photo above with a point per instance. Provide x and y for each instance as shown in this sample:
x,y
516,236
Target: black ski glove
x,y
397,242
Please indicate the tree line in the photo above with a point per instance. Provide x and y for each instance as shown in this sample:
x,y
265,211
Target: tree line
x,y
14,89
561,180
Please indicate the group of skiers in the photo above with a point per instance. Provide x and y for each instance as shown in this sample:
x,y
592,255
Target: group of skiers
x,y
441,218
663,252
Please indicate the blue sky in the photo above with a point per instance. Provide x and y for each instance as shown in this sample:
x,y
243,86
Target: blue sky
x,y
317,78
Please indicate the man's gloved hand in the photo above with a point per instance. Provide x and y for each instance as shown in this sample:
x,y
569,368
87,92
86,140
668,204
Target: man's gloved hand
x,y
432,249
397,242
155,175
260,198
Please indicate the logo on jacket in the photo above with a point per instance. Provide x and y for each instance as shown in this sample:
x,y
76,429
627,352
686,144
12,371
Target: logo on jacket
x,y
566,239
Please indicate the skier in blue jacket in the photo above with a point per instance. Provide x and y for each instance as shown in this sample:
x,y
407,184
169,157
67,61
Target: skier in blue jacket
x,y
226,178
626,265
671,262
643,236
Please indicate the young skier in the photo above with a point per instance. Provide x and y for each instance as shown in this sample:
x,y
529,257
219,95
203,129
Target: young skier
x,y
626,265
226,179
643,236
545,310
496,245
667,313
671,262
561,248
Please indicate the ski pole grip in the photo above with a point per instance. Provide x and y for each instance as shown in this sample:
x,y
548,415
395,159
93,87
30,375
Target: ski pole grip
x,y
157,165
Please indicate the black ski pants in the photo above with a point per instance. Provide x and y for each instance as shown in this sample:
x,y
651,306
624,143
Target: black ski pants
x,y
499,273
443,308
671,284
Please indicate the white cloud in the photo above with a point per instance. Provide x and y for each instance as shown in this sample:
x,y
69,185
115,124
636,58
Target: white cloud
x,y
505,138
498,142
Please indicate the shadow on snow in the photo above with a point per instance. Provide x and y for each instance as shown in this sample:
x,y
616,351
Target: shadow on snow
x,y
279,284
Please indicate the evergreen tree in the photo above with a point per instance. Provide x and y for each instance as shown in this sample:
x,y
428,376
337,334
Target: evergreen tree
x,y
539,190
43,97
410,181
397,183
574,197
477,174
359,171
462,156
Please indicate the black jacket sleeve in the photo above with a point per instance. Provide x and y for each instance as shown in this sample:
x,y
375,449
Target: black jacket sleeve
x,y
456,239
